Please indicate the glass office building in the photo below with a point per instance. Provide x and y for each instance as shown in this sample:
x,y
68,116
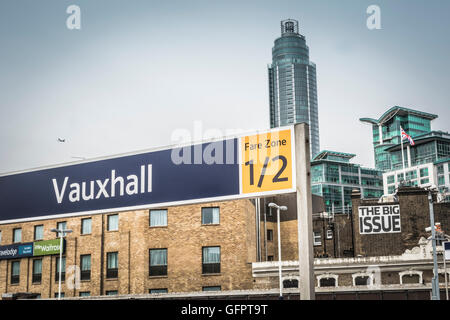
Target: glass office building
x,y
292,83
426,164
386,131
333,177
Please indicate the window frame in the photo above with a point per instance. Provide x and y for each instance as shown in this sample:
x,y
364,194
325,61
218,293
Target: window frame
x,y
210,287
58,226
82,226
85,275
14,235
36,278
159,289
317,234
211,268
34,236
63,271
112,273
269,232
108,225
150,218
15,278
212,217
157,270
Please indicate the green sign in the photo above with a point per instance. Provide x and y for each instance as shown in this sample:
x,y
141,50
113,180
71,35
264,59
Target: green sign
x,y
47,247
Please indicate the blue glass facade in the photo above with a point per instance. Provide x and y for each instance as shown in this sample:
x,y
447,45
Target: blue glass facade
x,y
292,83
386,131
333,177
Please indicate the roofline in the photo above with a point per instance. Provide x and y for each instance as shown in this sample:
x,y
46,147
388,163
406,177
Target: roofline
x,y
393,111
340,154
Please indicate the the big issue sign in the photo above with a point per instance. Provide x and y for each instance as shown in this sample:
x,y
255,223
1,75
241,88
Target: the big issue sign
x,y
248,166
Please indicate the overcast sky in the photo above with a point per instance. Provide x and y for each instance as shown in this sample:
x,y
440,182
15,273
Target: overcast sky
x,y
139,70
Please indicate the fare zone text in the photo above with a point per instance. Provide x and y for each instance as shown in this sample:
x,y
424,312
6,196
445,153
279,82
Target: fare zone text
x,y
268,143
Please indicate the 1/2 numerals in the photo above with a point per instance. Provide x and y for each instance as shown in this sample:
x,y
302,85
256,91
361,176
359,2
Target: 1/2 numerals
x,y
276,178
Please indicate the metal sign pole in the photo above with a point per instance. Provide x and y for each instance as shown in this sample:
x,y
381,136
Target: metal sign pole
x,y
435,294
445,276
304,212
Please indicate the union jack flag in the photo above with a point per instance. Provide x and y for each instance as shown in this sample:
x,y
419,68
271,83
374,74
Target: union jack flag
x,y
406,136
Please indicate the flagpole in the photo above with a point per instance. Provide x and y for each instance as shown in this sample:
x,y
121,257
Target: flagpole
x,y
403,157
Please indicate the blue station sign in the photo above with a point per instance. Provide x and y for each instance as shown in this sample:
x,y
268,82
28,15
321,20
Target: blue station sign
x,y
209,171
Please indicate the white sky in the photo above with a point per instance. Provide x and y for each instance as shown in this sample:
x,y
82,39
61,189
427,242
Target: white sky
x,y
139,70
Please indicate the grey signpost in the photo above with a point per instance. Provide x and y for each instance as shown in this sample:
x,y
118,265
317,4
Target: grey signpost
x,y
61,233
304,211
446,255
435,294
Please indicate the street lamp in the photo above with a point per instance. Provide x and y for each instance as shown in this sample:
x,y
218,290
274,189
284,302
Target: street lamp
x,y
435,294
61,233
283,208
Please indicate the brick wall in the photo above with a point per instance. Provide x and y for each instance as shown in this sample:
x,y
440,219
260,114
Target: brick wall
x,y
184,237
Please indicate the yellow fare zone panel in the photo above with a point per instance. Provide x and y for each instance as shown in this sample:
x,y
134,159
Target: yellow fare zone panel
x,y
266,162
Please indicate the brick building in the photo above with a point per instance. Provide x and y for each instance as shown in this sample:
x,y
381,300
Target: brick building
x,y
213,246
114,251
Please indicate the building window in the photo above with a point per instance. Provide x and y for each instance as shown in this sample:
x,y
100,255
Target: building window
x,y
212,288
158,262
317,241
38,232
85,267
424,181
37,271
441,180
112,268
112,293
327,282
17,235
391,189
329,234
57,294
86,226
391,179
362,281
424,172
15,272
440,169
162,290
61,226
210,216
269,258
85,293
63,269
158,218
290,283
211,260
113,222
269,235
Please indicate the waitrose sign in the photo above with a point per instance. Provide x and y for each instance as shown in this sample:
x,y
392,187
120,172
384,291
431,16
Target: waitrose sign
x,y
47,247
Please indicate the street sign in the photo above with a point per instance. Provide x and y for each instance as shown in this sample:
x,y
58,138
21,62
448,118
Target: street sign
x,y
267,162
446,246
243,166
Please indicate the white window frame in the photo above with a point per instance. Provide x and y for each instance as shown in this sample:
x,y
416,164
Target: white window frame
x,y
410,273
362,274
328,276
317,235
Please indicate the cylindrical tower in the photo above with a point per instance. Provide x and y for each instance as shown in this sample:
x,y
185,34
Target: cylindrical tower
x,y
292,83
